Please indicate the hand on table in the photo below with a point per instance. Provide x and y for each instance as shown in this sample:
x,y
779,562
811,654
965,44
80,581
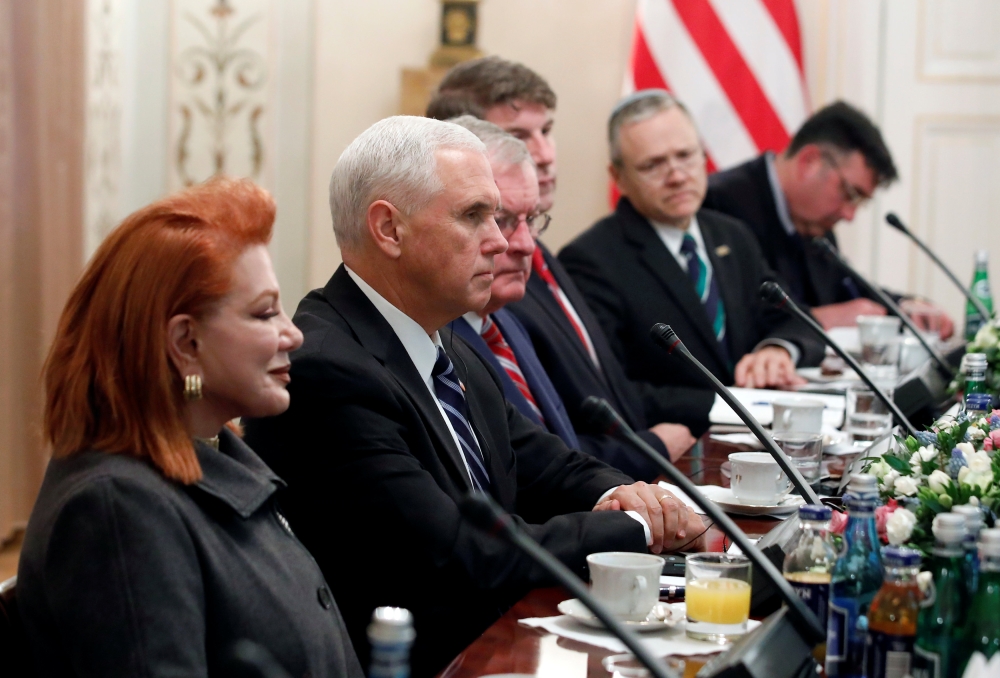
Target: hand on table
x,y
672,524
768,367
928,317
676,437
845,313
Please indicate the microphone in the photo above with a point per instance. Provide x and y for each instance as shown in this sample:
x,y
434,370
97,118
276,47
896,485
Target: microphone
x,y
665,336
781,643
824,245
896,223
772,293
480,510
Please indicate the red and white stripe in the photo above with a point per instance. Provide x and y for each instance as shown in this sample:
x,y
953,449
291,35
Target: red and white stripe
x,y
736,65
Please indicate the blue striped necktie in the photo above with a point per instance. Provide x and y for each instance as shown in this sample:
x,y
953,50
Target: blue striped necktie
x,y
452,399
707,289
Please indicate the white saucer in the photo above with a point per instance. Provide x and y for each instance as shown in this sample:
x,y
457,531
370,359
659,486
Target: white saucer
x,y
662,616
727,501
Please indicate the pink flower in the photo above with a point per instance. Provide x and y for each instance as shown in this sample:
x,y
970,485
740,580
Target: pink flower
x,y
988,443
993,439
882,514
838,521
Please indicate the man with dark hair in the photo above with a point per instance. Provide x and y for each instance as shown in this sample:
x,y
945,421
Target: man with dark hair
x,y
660,257
567,337
832,166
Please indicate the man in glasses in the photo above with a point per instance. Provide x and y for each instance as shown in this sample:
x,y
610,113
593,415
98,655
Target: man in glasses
x,y
566,336
833,166
660,257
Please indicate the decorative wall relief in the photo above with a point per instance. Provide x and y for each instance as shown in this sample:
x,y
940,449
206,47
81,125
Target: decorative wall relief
x,y
103,135
220,90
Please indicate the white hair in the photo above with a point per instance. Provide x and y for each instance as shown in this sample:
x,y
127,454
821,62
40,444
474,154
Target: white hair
x,y
501,145
393,160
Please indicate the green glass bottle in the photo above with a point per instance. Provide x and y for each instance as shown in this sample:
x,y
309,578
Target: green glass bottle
x,y
981,290
940,637
983,626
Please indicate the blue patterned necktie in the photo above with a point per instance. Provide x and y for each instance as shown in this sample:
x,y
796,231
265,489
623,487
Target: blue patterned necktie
x,y
707,289
452,399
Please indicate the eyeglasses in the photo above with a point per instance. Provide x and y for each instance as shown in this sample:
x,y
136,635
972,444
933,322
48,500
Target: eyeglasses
x,y
852,195
508,223
684,160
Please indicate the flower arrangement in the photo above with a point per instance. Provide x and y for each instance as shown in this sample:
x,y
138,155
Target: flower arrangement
x,y
956,462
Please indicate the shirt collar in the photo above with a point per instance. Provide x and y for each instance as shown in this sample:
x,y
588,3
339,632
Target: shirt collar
x,y
672,236
234,474
475,320
780,202
421,348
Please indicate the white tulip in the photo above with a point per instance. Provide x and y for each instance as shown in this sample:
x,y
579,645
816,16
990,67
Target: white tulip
x,y
939,482
899,526
905,486
967,450
927,453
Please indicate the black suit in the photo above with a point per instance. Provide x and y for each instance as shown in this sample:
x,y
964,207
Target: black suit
x,y
374,476
632,281
574,374
744,192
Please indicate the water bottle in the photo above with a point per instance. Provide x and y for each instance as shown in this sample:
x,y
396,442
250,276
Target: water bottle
x,y
857,576
808,567
892,618
391,634
938,649
983,626
975,395
973,524
981,290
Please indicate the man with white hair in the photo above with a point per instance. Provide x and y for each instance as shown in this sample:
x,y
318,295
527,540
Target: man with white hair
x,y
394,420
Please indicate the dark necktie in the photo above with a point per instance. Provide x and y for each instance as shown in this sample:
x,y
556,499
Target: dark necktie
x,y
707,289
449,393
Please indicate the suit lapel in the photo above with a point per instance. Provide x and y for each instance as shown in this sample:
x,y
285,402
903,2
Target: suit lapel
x,y
661,263
379,339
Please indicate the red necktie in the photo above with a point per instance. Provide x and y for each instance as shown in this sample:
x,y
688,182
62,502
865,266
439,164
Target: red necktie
x,y
541,269
501,349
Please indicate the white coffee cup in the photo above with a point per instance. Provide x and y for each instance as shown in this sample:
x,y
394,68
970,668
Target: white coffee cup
x,y
757,479
628,584
797,414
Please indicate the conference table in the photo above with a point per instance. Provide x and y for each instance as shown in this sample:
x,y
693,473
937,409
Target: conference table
x,y
509,647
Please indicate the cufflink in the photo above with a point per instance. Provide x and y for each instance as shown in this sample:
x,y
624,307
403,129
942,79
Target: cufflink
x,y
462,385
722,251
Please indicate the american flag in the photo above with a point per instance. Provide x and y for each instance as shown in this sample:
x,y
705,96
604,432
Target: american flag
x,y
735,64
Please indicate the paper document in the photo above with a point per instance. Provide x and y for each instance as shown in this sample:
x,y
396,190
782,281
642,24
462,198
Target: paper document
x,y
758,403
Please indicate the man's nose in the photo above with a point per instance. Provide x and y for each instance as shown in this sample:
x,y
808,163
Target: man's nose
x,y
542,150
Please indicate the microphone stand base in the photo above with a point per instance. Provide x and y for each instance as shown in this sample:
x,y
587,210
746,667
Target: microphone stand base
x,y
774,649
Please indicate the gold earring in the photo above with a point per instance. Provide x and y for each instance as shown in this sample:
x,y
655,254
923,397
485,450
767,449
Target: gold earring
x,y
192,387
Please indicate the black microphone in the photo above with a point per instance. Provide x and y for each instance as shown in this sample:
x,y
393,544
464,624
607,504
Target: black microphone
x,y
771,292
896,223
665,336
829,250
480,510
805,632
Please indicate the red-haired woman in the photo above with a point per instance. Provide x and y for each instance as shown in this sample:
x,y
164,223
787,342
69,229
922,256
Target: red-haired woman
x,y
156,542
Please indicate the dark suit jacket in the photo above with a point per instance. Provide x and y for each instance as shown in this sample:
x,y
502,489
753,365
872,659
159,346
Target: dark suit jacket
x,y
632,282
571,371
548,401
374,477
605,448
744,192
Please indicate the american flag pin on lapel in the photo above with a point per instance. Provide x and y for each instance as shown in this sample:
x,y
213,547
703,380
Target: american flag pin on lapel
x,y
462,385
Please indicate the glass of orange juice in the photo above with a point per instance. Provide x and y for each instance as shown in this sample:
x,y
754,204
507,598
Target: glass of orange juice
x,y
717,596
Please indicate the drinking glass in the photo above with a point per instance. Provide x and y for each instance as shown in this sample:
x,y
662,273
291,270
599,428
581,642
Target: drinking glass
x,y
717,596
868,418
805,450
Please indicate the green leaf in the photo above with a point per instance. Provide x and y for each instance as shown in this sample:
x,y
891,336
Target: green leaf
x,y
898,464
928,467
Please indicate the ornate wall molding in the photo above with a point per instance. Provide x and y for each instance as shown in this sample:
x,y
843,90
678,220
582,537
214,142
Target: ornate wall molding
x,y
221,104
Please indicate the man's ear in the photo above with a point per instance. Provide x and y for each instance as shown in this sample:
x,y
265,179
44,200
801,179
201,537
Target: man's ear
x,y
615,172
384,224
808,160
183,345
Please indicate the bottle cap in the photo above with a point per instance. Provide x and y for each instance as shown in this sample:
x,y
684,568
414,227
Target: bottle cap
x,y
989,542
862,484
391,625
814,512
975,360
982,256
949,528
900,556
973,517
